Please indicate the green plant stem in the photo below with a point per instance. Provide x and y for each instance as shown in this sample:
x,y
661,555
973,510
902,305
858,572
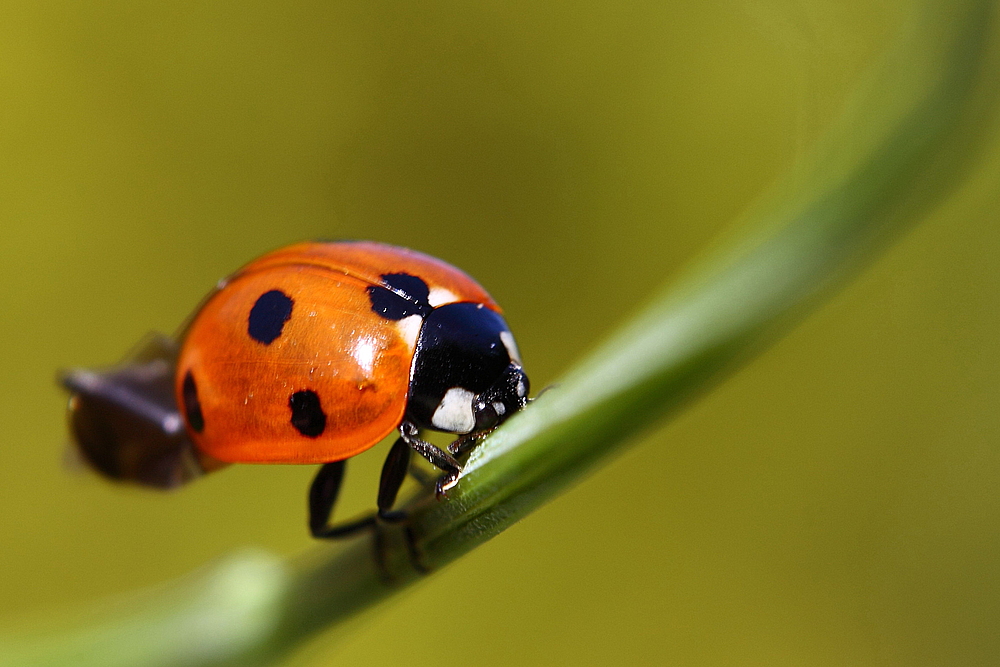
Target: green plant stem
x,y
901,145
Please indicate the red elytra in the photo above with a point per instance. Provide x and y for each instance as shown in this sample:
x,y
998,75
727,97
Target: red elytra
x,y
333,344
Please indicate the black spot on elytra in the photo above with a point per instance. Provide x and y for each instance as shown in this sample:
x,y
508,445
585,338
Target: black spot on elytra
x,y
192,407
399,296
307,414
268,316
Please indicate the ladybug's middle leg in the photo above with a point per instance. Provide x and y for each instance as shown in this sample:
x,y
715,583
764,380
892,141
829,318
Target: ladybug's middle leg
x,y
322,496
393,473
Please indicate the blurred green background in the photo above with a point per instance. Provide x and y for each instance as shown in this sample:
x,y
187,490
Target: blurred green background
x,y
833,503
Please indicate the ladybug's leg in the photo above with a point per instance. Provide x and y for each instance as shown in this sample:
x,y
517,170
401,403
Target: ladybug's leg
x,y
466,443
393,473
442,460
322,496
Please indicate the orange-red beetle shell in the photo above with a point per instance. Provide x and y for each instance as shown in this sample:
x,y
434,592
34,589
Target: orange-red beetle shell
x,y
332,348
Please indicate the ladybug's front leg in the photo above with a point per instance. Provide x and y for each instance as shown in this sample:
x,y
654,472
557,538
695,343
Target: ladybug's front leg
x,y
322,496
466,443
441,459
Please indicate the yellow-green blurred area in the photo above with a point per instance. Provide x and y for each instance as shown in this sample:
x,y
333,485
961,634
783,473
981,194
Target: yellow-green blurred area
x,y
835,502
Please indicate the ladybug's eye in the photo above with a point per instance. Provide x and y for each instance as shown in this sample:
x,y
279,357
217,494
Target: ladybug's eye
x,y
507,395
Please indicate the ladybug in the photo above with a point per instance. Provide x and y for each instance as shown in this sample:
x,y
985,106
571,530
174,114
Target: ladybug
x,y
312,353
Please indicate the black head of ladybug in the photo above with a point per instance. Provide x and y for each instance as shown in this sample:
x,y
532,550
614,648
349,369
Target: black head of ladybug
x,y
466,375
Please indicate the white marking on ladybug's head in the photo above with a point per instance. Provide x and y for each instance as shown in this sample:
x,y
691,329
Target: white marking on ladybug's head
x,y
454,412
439,296
500,408
409,329
508,342
522,390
